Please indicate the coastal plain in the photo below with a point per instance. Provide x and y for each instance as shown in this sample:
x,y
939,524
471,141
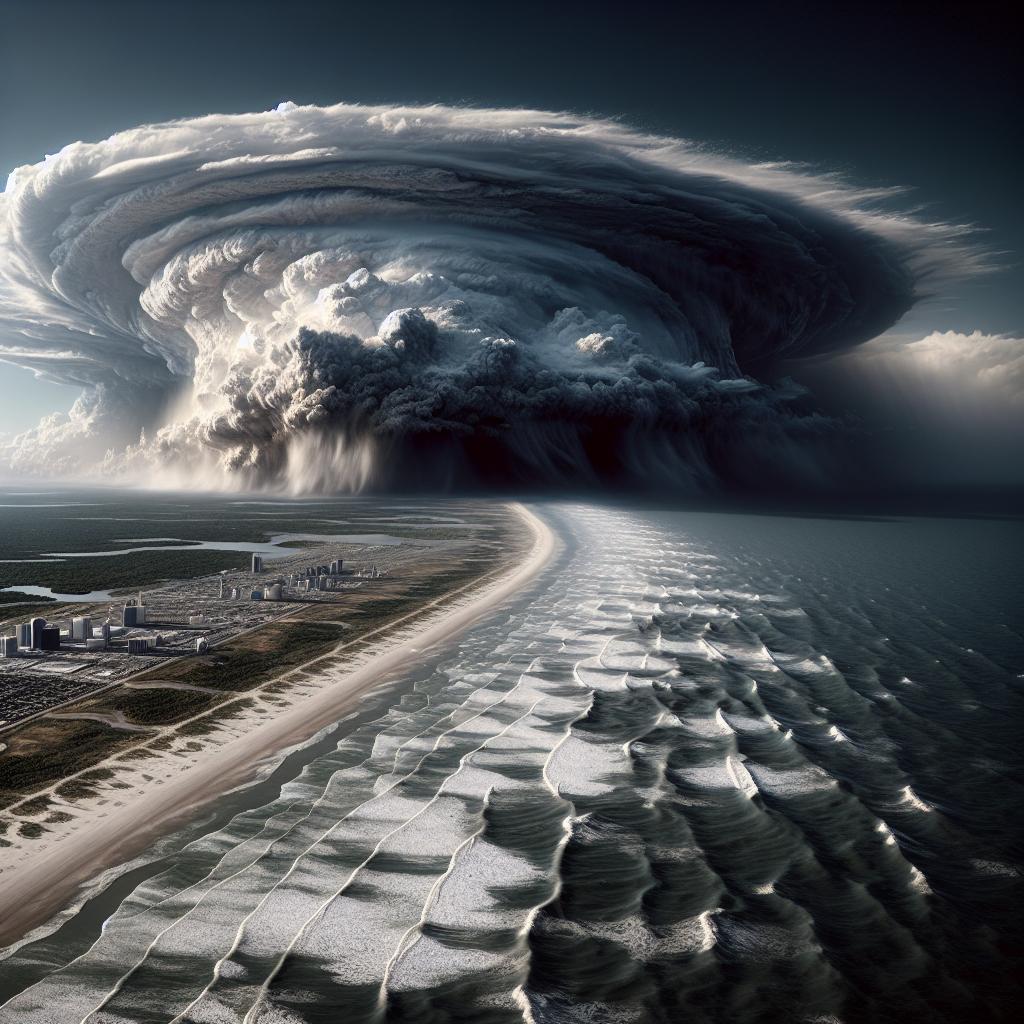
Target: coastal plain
x,y
79,779
650,764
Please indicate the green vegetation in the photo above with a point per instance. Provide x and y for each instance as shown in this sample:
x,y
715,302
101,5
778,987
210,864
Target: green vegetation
x,y
156,706
84,785
138,754
53,749
119,572
251,660
204,726
15,597
14,615
105,522
64,752
37,805
415,595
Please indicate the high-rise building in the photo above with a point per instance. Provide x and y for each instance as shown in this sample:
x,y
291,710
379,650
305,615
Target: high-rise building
x,y
25,634
8,647
81,628
37,625
257,563
222,586
130,615
50,638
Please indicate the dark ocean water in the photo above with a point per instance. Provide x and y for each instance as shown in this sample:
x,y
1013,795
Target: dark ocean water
x,y
710,767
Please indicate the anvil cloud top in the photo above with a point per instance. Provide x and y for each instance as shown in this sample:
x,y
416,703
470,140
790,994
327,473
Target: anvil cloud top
x,y
347,296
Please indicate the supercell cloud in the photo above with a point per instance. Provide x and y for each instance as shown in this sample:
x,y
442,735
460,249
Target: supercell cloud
x,y
333,298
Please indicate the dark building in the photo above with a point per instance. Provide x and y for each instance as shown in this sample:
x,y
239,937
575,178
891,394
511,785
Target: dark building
x,y
50,638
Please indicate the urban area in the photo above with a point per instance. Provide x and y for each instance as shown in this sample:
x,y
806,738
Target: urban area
x,y
46,662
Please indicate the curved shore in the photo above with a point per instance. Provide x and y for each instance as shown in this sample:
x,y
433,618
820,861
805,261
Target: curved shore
x,y
36,884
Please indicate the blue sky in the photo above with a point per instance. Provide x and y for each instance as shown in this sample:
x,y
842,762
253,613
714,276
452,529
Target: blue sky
x,y
24,398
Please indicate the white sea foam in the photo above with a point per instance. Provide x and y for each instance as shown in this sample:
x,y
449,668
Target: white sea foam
x,y
398,861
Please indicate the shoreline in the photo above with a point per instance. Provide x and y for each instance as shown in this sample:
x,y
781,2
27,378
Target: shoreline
x,y
45,879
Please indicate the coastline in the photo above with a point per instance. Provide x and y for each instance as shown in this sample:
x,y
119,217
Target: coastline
x,y
35,884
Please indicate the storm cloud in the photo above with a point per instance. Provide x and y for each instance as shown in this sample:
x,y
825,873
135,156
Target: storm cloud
x,y
345,297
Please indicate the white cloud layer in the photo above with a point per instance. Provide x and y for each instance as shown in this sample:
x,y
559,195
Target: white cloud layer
x,y
989,366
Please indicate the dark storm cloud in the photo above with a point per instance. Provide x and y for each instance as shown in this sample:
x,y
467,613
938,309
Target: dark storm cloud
x,y
455,294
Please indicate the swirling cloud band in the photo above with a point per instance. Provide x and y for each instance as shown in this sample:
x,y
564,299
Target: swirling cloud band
x,y
333,298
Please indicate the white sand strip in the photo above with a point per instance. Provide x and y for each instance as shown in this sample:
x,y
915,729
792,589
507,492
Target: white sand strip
x,y
40,876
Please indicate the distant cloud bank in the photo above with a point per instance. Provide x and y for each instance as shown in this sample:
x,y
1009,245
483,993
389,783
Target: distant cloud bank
x,y
987,367
346,297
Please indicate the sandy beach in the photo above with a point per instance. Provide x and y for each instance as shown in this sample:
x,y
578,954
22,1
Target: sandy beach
x,y
40,876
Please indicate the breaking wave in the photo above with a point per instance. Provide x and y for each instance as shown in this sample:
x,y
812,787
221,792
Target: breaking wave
x,y
643,793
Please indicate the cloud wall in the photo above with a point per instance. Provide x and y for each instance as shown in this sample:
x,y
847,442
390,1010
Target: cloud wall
x,y
348,297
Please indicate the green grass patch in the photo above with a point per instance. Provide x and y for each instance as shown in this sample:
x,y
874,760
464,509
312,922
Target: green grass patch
x,y
139,754
37,805
119,572
241,666
63,748
15,597
156,706
74,789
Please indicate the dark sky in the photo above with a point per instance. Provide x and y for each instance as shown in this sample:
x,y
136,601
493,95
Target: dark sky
x,y
922,95
928,96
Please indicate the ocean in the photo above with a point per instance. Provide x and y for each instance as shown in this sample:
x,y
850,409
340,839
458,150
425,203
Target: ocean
x,y
707,766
